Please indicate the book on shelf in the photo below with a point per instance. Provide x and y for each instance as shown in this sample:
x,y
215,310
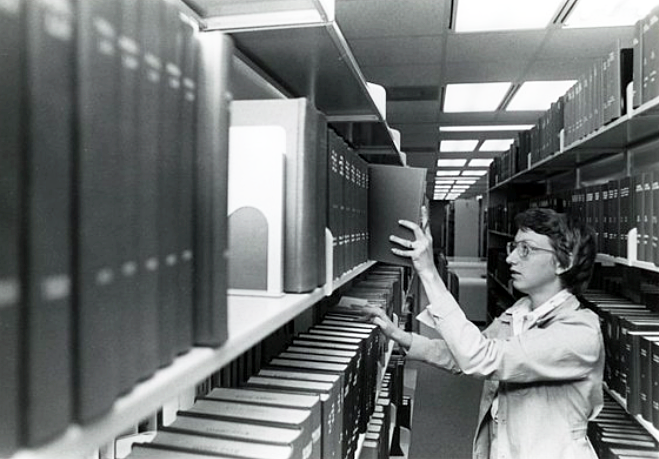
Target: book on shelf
x,y
211,189
618,74
97,209
304,217
148,451
307,402
326,386
246,412
395,193
146,187
625,215
129,51
648,212
187,115
348,421
217,446
650,62
249,432
47,402
646,377
12,81
653,219
637,63
170,225
654,393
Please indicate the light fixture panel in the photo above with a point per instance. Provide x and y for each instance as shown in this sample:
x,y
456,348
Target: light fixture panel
x,y
488,15
480,162
487,128
451,162
457,145
496,145
538,95
608,13
474,97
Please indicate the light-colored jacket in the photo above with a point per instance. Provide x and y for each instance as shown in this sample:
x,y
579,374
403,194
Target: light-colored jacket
x,y
548,379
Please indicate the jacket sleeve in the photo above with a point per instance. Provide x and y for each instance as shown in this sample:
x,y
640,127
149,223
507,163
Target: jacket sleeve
x,y
432,351
566,349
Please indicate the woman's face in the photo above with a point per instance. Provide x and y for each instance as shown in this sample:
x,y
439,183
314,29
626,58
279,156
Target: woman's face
x,y
538,269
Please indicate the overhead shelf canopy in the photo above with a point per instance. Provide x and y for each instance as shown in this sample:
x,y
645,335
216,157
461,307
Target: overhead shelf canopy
x,y
308,58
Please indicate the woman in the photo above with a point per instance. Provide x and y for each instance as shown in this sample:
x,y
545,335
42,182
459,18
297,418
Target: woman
x,y
542,359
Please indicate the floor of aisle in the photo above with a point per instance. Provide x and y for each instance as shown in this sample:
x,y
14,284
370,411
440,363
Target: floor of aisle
x,y
444,414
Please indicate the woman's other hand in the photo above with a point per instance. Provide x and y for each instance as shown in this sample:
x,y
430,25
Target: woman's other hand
x,y
420,249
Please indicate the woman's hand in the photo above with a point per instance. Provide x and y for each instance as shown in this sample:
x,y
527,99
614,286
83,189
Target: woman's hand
x,y
389,329
418,250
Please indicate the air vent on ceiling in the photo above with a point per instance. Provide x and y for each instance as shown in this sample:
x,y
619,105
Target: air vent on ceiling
x,y
412,93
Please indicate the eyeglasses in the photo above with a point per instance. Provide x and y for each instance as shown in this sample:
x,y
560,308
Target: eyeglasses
x,y
524,249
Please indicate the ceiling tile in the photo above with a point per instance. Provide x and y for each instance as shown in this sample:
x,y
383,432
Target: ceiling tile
x,y
381,18
480,71
493,46
413,112
398,50
582,43
404,74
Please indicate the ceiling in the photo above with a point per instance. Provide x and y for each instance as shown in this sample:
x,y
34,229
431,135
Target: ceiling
x,y
409,47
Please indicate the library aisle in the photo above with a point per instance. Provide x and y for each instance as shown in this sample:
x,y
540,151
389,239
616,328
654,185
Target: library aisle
x,y
445,414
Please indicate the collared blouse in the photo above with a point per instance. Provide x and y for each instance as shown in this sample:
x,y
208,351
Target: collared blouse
x,y
548,380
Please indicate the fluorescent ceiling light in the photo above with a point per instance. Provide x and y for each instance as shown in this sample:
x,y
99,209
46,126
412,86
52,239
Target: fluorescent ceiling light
x,y
460,187
480,162
608,13
451,162
457,145
488,15
447,173
496,145
474,97
538,95
488,128
465,182
241,15
444,182
475,172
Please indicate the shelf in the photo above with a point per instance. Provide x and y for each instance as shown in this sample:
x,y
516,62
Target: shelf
x,y
647,425
500,233
610,260
625,132
251,319
307,55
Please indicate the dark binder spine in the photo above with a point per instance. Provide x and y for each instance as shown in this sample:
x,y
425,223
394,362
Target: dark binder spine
x,y
168,183
146,192
625,214
11,208
638,209
302,216
186,170
654,218
210,193
647,217
96,212
47,333
129,58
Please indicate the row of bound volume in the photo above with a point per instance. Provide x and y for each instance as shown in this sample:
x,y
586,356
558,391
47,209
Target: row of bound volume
x,y
318,392
112,252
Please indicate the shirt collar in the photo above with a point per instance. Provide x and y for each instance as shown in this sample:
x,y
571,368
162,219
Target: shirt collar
x,y
523,317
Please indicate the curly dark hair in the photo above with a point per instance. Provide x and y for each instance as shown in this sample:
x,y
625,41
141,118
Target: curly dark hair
x,y
573,242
